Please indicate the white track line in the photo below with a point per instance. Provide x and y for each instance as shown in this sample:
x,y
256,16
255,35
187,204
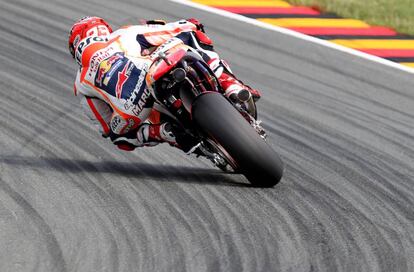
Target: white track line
x,y
296,34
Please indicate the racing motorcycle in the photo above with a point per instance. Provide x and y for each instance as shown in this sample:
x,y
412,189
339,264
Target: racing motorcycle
x,y
226,129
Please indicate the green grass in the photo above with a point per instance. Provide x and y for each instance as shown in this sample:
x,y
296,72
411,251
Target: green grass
x,y
397,14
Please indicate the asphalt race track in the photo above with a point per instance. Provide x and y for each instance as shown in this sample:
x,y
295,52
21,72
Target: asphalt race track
x,y
70,201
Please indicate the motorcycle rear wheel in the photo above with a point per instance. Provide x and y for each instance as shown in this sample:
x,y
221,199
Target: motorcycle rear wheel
x,y
252,156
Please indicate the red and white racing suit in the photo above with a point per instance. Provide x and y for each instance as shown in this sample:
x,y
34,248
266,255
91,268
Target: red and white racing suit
x,y
111,80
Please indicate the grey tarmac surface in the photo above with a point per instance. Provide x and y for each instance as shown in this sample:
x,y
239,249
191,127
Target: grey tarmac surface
x,y
69,201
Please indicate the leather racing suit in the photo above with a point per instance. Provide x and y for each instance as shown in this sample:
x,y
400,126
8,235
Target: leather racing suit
x,y
111,80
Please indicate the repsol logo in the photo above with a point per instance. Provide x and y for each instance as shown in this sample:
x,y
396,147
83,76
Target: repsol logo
x,y
84,44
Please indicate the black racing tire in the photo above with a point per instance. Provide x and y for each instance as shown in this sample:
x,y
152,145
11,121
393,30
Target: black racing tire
x,y
254,158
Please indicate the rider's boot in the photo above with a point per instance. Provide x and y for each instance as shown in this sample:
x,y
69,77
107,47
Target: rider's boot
x,y
153,134
235,89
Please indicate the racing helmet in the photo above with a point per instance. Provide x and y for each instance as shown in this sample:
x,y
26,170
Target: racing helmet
x,y
85,27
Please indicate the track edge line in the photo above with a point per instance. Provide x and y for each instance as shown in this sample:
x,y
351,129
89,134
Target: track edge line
x,y
295,34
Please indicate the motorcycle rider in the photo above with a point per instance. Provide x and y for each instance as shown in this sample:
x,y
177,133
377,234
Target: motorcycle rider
x,y
111,77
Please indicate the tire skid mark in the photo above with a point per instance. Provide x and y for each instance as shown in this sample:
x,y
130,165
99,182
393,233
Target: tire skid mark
x,y
54,250
91,192
339,156
309,61
343,206
387,187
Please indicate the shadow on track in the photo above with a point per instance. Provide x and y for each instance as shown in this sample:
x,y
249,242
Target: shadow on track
x,y
165,173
